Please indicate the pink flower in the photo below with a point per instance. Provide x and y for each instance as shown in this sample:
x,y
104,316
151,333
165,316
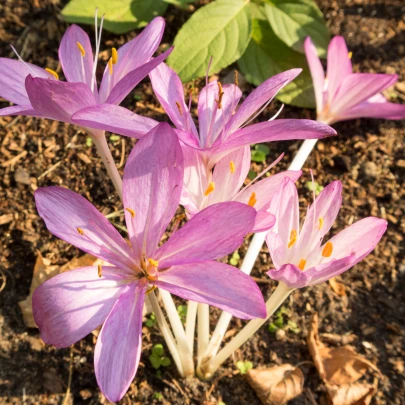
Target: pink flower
x,y
344,95
69,306
300,257
203,188
38,92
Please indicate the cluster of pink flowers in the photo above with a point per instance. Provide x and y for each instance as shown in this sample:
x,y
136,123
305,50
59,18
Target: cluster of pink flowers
x,y
201,168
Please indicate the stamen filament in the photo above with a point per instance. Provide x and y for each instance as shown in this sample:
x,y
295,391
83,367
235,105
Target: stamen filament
x,y
293,238
110,66
99,271
179,108
232,167
114,56
81,49
320,223
220,95
210,188
53,73
131,211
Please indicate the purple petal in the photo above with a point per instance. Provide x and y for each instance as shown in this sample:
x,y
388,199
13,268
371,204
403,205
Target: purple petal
x,y
265,189
58,100
133,55
339,65
216,284
359,87
264,93
131,79
12,79
277,249
317,72
211,234
168,89
290,275
71,305
67,215
264,221
119,344
278,130
113,118
153,179
26,110
212,120
77,68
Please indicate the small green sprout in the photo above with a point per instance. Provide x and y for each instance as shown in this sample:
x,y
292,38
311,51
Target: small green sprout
x,y
314,187
252,174
182,311
234,260
89,142
280,322
114,138
157,358
150,323
158,396
244,366
259,153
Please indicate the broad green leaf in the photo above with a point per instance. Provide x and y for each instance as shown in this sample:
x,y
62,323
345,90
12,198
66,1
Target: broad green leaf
x,y
156,361
166,362
157,350
266,56
294,20
120,15
221,29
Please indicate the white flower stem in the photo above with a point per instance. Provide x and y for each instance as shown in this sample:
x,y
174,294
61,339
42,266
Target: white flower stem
x,y
179,333
100,141
167,334
207,370
250,259
203,337
190,324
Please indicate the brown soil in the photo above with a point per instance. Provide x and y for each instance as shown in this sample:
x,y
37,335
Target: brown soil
x,y
368,156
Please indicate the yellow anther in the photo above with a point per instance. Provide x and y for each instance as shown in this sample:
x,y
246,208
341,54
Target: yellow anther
x,y
154,263
293,238
110,66
327,250
80,230
210,188
350,54
179,108
131,211
150,289
151,278
81,49
114,56
53,73
99,269
220,95
301,264
232,167
320,223
252,200
236,77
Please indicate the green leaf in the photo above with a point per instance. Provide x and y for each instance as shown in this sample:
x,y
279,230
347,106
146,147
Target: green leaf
x,y
267,56
221,29
294,20
279,322
258,156
157,350
89,142
114,138
234,260
120,15
158,396
166,362
263,148
252,175
314,187
244,366
156,361
273,328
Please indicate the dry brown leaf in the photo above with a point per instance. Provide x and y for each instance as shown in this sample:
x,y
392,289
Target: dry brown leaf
x,y
276,385
351,394
43,270
336,366
337,287
335,339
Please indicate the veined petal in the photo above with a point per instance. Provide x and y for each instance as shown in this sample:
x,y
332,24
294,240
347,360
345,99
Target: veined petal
x,y
131,79
359,87
133,54
278,130
26,110
317,72
12,79
152,184
229,174
339,65
58,100
265,189
72,218
215,110
77,64
168,89
277,249
113,118
216,284
320,217
264,93
119,344
290,275
264,221
71,305
211,234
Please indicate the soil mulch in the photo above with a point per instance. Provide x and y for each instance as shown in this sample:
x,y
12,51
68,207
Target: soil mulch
x,y
367,156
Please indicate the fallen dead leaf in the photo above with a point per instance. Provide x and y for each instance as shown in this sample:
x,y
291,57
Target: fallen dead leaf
x,y
337,287
335,339
336,366
276,385
351,394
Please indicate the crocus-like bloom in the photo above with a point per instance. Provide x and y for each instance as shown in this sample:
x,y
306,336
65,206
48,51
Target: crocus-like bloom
x,y
69,306
300,257
344,95
204,188
222,127
39,92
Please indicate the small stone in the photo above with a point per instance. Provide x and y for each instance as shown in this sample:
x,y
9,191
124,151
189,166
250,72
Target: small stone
x,y
370,171
280,334
400,163
22,176
86,394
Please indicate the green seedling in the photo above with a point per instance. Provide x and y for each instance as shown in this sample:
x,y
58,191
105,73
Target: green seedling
x,y
244,366
259,153
234,260
89,142
314,187
114,138
182,311
282,322
157,358
151,321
